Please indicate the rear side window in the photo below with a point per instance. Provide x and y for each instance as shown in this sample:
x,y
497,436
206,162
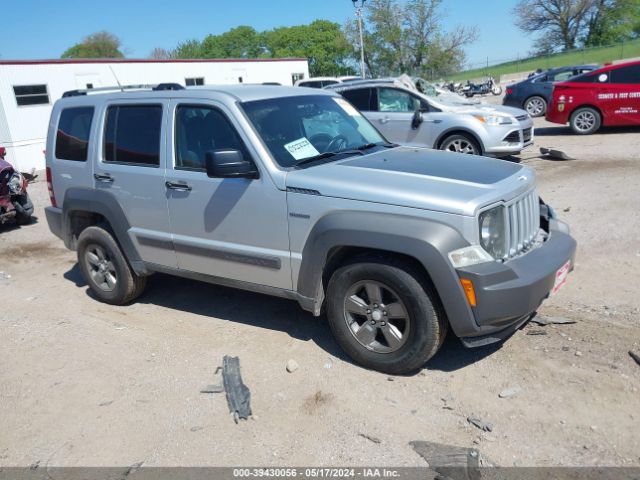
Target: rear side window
x,y
72,138
364,99
132,134
630,74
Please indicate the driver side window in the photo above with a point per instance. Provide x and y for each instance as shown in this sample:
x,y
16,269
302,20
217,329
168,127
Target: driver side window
x,y
392,100
200,129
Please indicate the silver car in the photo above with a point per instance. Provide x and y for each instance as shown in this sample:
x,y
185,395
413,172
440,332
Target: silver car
x,y
406,116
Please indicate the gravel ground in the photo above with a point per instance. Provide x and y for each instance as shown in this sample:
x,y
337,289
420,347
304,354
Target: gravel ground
x,y
87,384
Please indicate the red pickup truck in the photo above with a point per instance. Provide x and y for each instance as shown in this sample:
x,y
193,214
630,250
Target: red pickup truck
x,y
608,96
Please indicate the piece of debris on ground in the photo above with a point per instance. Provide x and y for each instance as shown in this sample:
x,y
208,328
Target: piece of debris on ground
x,y
635,356
543,321
536,332
481,424
292,365
509,392
455,463
238,394
554,154
370,438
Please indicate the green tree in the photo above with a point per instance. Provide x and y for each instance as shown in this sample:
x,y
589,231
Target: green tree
x,y
188,49
239,42
97,45
322,42
613,21
408,38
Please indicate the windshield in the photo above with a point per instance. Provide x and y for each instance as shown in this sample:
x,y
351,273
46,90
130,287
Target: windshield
x,y
299,128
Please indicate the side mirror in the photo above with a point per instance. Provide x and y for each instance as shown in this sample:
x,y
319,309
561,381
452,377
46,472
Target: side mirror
x,y
229,164
3,152
417,120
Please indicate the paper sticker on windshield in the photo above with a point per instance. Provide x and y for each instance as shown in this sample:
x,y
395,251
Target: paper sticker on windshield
x,y
347,107
301,148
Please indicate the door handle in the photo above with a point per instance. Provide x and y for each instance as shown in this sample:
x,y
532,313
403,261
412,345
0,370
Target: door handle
x,y
384,120
178,186
103,177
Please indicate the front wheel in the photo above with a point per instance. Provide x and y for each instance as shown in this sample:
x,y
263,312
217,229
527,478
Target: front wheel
x,y
585,121
460,143
383,314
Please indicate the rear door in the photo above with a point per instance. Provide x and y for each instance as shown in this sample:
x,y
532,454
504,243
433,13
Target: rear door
x,y
623,103
131,167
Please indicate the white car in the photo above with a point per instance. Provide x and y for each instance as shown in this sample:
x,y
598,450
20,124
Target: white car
x,y
321,82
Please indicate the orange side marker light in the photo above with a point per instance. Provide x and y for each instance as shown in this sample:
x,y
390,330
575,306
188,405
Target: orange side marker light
x,y
467,286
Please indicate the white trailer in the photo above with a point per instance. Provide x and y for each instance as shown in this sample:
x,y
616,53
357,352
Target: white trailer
x,y
29,88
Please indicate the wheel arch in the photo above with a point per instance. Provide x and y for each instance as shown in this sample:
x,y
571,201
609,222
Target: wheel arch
x,y
341,237
83,208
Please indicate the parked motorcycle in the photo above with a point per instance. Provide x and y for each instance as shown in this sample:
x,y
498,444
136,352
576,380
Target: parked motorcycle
x,y
14,200
490,86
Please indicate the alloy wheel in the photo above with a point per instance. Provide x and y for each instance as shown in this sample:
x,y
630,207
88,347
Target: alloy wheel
x,y
535,107
376,316
585,121
460,145
101,268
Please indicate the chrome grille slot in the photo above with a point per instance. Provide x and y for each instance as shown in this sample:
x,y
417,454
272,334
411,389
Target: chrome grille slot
x,y
523,217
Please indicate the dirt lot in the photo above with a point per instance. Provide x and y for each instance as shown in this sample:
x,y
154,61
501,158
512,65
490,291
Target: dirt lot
x,y
82,383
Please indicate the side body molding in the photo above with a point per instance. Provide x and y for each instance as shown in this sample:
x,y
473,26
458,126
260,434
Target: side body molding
x,y
426,241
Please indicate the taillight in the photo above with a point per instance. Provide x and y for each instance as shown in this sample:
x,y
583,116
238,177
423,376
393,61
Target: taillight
x,y
509,91
52,195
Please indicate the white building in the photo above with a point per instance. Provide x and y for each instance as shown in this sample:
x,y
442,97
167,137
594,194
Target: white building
x,y
29,88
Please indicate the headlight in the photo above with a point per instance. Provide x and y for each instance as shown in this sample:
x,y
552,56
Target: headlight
x,y
492,232
495,119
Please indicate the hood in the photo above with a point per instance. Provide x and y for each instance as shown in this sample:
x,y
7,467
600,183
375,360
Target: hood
x,y
418,178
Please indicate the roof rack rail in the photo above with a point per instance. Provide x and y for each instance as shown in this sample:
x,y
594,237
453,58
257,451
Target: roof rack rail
x,y
122,88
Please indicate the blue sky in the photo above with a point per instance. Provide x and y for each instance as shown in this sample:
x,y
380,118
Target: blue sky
x,y
44,28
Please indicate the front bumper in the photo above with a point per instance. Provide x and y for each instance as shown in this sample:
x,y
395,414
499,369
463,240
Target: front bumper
x,y
508,293
509,139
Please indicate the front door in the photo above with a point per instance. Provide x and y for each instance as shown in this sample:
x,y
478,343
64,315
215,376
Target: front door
x,y
395,111
622,102
233,228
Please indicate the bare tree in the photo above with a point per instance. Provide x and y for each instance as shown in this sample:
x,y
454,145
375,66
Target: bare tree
x,y
160,54
560,23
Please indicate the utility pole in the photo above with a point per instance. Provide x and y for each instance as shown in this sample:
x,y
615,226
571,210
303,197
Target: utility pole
x,y
359,5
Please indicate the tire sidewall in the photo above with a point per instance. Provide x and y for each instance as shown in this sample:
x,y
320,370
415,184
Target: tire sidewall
x,y
596,125
98,236
424,333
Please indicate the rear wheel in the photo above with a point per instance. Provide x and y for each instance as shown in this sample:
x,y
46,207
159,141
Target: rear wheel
x,y
585,121
105,268
460,143
383,314
535,106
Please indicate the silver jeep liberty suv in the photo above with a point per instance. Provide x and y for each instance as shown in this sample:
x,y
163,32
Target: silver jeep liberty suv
x,y
292,192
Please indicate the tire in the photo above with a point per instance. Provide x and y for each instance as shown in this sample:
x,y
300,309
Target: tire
x,y
535,106
24,209
105,268
497,90
585,121
460,143
415,323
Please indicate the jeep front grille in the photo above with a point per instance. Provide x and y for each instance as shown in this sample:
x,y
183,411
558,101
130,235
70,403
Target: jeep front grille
x,y
523,223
